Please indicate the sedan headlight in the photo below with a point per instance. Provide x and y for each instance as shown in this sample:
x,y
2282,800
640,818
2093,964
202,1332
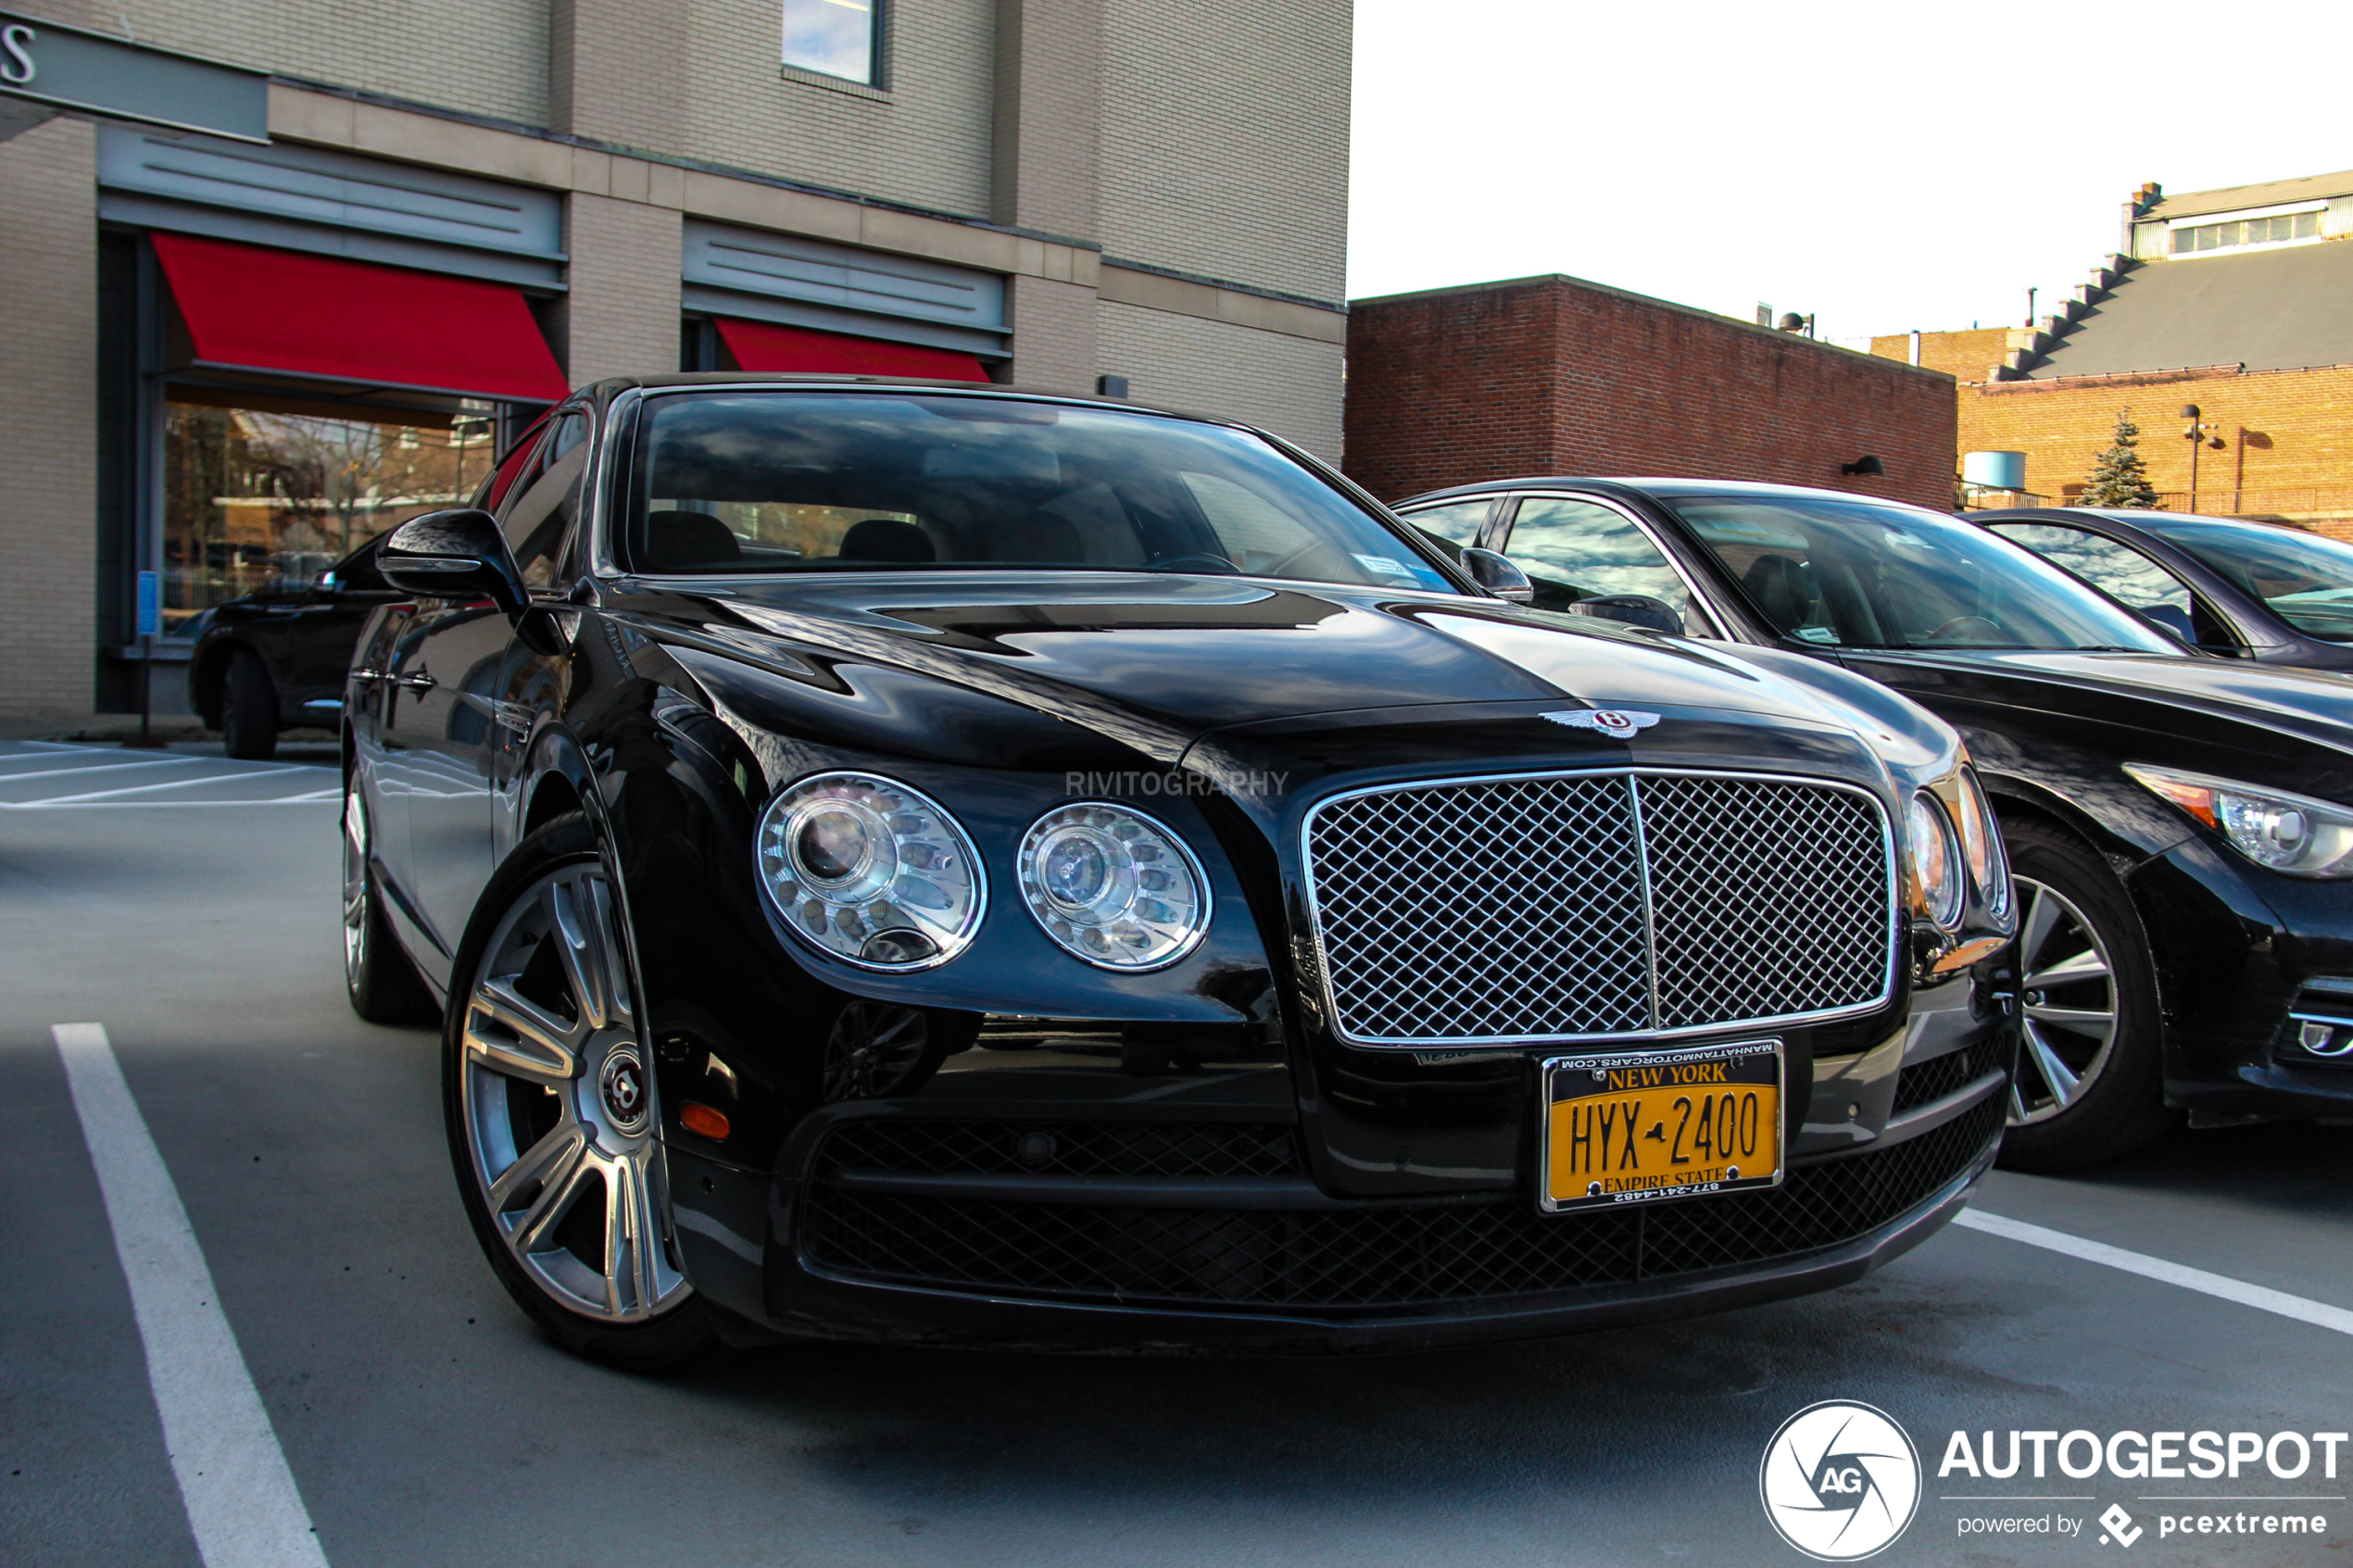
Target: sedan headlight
x,y
1112,887
871,871
1981,846
1936,859
2293,834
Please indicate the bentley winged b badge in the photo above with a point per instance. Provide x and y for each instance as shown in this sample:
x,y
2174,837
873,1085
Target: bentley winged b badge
x,y
1615,722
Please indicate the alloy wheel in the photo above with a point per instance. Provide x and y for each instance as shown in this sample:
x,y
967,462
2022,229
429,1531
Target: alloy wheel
x,y
355,885
876,1048
558,1100
2069,1001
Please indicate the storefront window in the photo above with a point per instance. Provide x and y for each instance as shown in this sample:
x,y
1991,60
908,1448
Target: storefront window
x,y
254,498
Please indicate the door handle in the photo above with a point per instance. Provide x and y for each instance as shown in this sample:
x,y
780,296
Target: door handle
x,y
417,683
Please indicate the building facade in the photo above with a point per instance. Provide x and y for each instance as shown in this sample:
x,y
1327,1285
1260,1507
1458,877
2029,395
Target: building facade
x,y
1555,375
2238,303
282,272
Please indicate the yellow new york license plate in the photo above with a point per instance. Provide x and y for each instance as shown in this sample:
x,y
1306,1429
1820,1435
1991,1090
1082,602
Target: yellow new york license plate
x,y
1629,1127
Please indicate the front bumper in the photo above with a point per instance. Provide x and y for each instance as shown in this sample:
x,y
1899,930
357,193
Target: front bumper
x,y
2238,950
888,1232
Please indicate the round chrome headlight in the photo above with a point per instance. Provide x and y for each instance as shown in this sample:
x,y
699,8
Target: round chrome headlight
x,y
1981,846
1112,887
871,871
1936,859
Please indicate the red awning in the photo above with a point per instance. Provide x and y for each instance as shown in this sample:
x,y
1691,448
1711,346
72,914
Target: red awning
x,y
763,345
252,307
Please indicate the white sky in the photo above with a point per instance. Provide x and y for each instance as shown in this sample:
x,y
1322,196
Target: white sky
x,y
1882,166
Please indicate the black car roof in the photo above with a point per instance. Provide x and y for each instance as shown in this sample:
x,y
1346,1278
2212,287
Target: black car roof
x,y
611,386
1655,486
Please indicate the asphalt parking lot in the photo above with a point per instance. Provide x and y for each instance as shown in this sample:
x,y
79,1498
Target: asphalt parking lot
x,y
188,904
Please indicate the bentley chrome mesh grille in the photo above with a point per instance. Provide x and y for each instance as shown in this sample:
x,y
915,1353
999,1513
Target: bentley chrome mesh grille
x,y
1594,905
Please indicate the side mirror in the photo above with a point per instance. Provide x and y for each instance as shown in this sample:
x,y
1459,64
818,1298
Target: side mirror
x,y
1633,609
1498,575
453,555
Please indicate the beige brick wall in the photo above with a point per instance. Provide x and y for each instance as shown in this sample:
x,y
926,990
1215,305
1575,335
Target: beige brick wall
x,y
1290,385
49,435
1055,329
485,56
1048,143
927,144
1225,139
622,315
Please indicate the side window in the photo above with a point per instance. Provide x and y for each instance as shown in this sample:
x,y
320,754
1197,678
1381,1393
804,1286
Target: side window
x,y
539,517
1455,524
2119,570
1576,550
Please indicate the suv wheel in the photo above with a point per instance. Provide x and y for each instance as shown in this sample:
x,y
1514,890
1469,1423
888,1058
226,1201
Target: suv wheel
x,y
547,1090
248,709
2090,1080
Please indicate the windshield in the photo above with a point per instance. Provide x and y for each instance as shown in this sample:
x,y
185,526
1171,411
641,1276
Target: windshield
x,y
770,481
2306,578
1852,574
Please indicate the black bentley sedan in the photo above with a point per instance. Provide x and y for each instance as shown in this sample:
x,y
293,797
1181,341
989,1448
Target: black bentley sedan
x,y
927,861
2181,825
2259,591
277,660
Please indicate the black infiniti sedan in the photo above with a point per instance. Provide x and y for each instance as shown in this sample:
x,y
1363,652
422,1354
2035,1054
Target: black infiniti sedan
x,y
2181,825
2248,590
277,660
922,861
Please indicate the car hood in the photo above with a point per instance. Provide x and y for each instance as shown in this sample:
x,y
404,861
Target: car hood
x,y
1155,661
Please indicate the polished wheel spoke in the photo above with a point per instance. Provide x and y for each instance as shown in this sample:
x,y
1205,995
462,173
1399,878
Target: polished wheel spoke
x,y
2043,912
579,910
563,1186
2085,965
2061,1079
549,1160
631,1238
536,1044
2089,1021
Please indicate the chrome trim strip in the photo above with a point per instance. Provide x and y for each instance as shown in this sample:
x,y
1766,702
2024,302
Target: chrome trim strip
x,y
1650,910
1323,959
1936,1113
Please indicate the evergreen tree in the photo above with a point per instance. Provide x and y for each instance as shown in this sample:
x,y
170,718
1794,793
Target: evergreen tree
x,y
2118,476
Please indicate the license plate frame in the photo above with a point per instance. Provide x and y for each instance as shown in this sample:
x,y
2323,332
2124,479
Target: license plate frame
x,y
1597,1108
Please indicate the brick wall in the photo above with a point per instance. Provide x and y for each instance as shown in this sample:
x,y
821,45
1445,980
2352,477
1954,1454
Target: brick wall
x,y
2287,435
485,56
1558,376
1288,384
49,439
1964,356
1225,140
621,316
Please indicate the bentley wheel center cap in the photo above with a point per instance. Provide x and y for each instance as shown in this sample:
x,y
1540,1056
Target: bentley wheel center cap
x,y
622,1087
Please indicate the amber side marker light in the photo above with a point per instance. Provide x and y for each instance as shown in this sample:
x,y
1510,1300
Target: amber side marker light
x,y
703,1122
2197,799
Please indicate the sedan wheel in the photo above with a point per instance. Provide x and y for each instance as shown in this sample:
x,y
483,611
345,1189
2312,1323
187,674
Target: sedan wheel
x,y
377,976
2090,1080
2069,1001
550,1097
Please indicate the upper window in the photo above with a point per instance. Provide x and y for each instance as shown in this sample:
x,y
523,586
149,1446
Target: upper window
x,y
2306,578
1455,525
1574,550
2118,571
835,38
861,481
1852,574
2248,231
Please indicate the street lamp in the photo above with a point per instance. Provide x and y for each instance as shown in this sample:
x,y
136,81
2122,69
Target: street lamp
x,y
2197,435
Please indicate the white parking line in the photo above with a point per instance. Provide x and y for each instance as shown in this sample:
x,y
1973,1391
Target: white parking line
x,y
142,789
87,767
2262,1297
242,1505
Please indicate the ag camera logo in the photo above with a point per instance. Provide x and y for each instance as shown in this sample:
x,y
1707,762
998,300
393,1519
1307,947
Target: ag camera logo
x,y
1840,1481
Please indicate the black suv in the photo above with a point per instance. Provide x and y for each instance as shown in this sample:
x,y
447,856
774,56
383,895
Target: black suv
x,y
275,659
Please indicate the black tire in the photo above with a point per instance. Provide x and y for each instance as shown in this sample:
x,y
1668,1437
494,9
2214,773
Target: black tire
x,y
248,709
2119,1104
382,986
663,1337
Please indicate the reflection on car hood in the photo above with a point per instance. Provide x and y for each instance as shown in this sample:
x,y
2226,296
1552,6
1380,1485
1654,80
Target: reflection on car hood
x,y
2313,704
1169,658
